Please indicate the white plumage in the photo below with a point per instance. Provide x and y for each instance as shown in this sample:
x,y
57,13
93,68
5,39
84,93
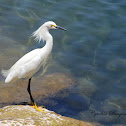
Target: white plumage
x,y
30,63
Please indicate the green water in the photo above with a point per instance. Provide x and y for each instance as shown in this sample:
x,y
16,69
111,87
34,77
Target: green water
x,y
92,52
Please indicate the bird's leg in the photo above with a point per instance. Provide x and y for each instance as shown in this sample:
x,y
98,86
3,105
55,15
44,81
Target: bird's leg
x,y
32,100
29,91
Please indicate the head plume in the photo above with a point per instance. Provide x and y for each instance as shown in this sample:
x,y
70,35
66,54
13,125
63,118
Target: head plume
x,y
39,34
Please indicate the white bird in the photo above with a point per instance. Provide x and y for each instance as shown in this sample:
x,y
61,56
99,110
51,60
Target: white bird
x,y
31,62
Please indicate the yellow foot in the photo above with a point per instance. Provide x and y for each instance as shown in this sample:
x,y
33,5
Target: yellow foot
x,y
38,108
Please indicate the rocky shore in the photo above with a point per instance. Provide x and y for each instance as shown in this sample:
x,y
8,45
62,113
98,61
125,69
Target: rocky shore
x,y
24,115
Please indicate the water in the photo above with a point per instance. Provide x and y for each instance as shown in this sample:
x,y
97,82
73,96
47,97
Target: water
x,y
92,52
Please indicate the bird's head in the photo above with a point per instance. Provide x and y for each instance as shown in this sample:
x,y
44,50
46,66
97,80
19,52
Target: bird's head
x,y
52,25
40,33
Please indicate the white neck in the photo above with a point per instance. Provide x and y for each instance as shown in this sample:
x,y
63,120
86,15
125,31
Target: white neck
x,y
43,34
49,42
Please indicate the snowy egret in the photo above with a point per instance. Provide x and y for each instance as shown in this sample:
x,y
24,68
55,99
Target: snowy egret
x,y
31,62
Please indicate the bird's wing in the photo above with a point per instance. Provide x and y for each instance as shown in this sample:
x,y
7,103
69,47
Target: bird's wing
x,y
25,70
26,58
29,68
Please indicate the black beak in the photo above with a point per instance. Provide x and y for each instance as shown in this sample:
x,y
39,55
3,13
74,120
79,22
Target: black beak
x,y
58,27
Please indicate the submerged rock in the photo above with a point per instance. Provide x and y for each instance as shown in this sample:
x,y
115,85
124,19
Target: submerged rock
x,y
41,88
26,116
86,87
117,64
114,103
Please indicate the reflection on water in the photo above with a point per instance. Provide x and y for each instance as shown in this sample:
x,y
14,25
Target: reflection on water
x,y
92,52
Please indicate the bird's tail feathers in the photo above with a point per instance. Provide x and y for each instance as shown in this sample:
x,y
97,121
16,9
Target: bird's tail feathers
x,y
4,73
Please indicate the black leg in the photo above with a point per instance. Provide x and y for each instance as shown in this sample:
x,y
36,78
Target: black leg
x,y
32,100
29,91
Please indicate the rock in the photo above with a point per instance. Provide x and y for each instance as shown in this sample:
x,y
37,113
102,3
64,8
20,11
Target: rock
x,y
41,88
117,64
24,115
114,103
86,87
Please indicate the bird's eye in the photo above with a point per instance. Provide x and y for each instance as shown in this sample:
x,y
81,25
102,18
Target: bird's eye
x,y
52,25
